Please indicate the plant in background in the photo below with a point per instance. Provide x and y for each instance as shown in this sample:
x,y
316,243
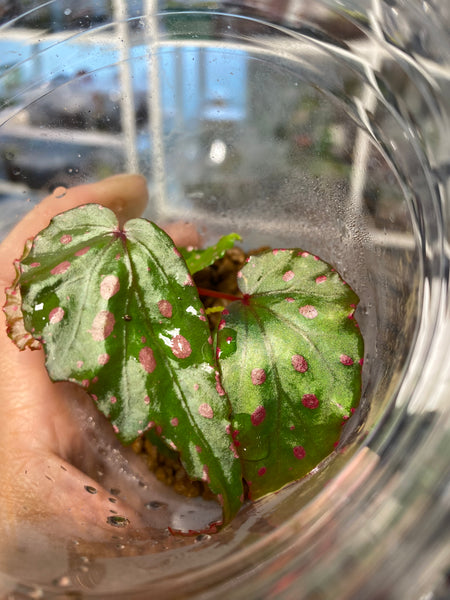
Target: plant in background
x,y
262,399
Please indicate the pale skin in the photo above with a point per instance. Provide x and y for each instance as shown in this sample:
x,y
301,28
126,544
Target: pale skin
x,y
46,467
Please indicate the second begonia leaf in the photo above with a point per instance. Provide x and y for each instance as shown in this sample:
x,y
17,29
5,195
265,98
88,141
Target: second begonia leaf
x,y
117,313
290,355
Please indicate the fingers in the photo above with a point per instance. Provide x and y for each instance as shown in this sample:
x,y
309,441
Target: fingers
x,y
126,195
183,234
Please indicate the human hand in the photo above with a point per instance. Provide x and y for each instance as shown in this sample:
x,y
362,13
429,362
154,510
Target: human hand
x,y
54,482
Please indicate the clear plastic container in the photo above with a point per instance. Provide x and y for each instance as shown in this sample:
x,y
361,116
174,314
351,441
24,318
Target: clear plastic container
x,y
318,125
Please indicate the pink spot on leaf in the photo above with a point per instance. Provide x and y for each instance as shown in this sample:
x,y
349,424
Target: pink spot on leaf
x,y
258,376
61,268
102,325
258,415
262,471
65,239
147,359
233,450
181,348
82,251
113,399
177,252
346,360
109,286
196,386
165,308
80,363
174,421
299,452
321,279
35,264
289,299
205,474
219,387
206,411
310,401
189,281
198,448
147,400
288,276
103,359
299,363
56,315
308,311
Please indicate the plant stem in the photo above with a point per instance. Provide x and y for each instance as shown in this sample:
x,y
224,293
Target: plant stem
x,y
216,294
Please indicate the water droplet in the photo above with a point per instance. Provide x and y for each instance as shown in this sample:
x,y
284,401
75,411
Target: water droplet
x,y
35,593
155,505
63,581
117,521
67,12
202,537
16,171
9,155
90,489
60,192
120,546
114,500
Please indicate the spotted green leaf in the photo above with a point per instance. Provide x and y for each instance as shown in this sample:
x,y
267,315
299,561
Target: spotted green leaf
x,y
290,357
118,314
197,260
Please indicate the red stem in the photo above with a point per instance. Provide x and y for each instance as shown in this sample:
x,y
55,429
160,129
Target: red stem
x,y
215,294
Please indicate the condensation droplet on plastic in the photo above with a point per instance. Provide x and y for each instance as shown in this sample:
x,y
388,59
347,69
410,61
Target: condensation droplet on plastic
x,y
16,171
117,521
202,537
90,489
35,594
67,11
155,505
9,155
63,581
60,192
